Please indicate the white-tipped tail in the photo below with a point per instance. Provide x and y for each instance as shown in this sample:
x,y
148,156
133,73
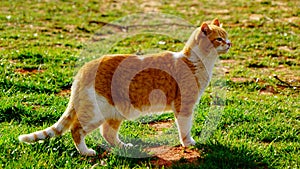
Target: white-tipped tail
x,y
57,129
40,135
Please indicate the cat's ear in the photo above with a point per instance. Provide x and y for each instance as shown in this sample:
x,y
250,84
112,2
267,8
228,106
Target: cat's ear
x,y
205,28
216,22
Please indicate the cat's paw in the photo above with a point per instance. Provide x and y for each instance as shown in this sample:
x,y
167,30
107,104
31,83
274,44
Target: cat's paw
x,y
124,145
89,152
128,145
189,142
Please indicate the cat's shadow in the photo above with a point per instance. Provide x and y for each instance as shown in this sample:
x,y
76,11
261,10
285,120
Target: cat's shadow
x,y
211,156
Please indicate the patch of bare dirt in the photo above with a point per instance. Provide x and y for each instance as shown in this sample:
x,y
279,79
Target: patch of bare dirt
x,y
280,5
160,126
292,79
65,92
225,65
228,61
220,11
151,6
255,17
292,19
28,70
269,90
240,79
166,155
285,48
110,5
12,61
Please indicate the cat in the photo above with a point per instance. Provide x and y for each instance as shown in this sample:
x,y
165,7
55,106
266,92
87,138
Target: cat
x,y
119,87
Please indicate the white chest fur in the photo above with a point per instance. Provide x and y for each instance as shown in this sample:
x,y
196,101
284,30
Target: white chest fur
x,y
204,63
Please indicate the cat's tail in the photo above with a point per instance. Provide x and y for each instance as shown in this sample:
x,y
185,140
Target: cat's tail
x,y
62,125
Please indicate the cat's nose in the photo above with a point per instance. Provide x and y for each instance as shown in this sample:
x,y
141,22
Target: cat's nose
x,y
229,43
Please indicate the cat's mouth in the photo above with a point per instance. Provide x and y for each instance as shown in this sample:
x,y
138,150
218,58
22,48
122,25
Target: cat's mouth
x,y
224,51
227,49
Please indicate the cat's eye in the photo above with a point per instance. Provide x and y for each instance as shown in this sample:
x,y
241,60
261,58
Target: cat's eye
x,y
219,39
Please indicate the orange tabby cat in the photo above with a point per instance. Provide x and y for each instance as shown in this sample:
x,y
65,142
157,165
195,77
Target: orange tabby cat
x,y
113,88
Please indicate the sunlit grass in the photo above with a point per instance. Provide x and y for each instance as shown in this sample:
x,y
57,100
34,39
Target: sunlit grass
x,y
41,43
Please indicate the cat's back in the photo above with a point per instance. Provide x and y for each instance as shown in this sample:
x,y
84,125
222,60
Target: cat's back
x,y
139,75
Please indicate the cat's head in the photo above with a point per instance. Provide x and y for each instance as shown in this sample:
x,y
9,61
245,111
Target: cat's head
x,y
208,37
217,36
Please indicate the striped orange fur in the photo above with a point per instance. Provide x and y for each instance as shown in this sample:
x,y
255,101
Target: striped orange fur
x,y
114,88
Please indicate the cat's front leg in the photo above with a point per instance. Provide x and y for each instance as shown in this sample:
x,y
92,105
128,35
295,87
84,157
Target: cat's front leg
x,y
184,124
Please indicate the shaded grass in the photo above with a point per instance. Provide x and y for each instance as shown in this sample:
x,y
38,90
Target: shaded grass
x,y
40,45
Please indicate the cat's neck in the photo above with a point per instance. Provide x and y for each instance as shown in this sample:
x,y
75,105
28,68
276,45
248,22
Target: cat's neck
x,y
207,59
203,61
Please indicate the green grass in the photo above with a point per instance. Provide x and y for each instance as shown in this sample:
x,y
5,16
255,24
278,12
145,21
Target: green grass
x,y
41,44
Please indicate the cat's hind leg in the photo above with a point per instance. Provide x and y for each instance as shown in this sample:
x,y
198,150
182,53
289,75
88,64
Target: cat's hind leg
x,y
109,130
78,134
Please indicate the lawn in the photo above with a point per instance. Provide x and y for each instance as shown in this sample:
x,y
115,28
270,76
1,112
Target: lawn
x,y
43,43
